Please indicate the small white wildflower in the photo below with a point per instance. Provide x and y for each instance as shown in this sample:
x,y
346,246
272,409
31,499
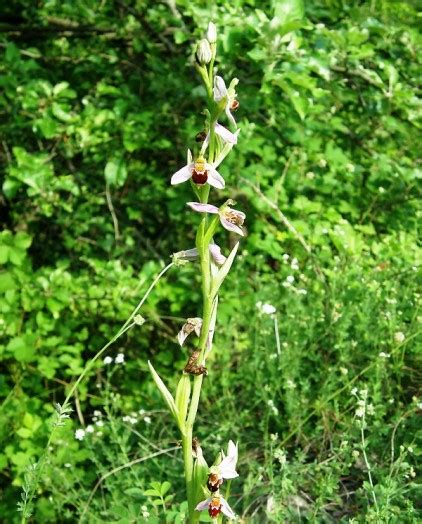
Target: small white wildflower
x,y
139,320
280,455
272,406
363,393
302,291
97,413
107,360
99,423
290,384
410,449
412,472
89,429
147,420
274,437
99,433
384,355
350,167
381,190
126,418
370,409
399,337
68,465
310,175
120,359
354,391
268,309
355,453
79,434
285,257
360,412
141,411
344,371
322,162
290,279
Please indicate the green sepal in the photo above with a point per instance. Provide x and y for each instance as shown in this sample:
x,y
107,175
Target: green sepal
x,y
182,399
211,230
167,396
199,479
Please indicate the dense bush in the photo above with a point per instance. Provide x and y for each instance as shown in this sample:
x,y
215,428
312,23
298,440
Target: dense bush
x,y
98,101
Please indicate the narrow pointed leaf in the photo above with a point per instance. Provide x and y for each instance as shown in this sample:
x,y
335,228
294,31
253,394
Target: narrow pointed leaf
x,y
167,396
182,399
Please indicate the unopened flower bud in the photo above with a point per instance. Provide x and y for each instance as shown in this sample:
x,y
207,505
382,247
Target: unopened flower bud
x,y
212,33
203,52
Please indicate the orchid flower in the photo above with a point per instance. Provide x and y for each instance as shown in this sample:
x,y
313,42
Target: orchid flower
x,y
191,325
200,171
225,470
216,505
231,219
191,255
221,92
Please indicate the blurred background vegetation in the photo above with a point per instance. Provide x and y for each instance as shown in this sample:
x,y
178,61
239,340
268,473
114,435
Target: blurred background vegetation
x,y
98,102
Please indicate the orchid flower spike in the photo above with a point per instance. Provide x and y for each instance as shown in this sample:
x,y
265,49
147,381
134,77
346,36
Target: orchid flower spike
x,y
191,255
229,95
200,172
231,219
216,505
191,325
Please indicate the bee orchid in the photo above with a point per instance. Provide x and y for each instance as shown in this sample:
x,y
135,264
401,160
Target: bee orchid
x,y
201,172
221,93
226,470
216,505
231,219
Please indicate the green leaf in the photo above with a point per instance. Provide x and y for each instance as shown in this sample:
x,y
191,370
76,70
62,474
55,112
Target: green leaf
x,y
287,12
61,114
152,493
165,486
7,282
136,493
167,396
115,172
182,398
4,254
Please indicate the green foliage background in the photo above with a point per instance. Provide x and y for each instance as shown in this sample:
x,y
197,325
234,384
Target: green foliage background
x,y
99,101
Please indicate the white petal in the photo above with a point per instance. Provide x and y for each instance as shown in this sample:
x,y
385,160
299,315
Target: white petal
x,y
231,227
214,177
226,509
182,175
225,134
232,449
220,89
216,254
203,208
203,505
